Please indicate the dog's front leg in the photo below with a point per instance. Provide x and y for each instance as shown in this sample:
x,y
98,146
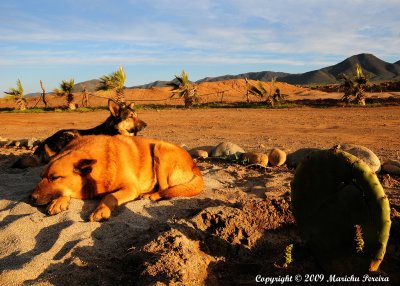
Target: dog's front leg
x,y
110,202
58,205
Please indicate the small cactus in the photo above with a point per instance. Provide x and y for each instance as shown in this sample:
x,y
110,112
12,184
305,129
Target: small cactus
x,y
333,191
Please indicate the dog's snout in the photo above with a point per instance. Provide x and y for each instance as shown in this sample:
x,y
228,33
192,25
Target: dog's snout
x,y
34,197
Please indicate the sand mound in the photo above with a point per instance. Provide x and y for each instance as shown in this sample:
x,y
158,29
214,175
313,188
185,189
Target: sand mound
x,y
237,229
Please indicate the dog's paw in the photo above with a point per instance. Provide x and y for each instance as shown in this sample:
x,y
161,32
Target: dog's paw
x,y
58,205
101,213
152,196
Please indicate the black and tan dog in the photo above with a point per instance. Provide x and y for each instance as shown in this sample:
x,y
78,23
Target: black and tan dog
x,y
119,169
122,120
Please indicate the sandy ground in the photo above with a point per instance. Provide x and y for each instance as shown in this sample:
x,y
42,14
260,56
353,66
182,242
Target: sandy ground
x,y
236,229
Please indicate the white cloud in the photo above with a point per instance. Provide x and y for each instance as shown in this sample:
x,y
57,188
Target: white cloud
x,y
282,27
287,33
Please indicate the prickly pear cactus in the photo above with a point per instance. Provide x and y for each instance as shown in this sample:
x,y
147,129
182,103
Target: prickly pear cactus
x,y
335,195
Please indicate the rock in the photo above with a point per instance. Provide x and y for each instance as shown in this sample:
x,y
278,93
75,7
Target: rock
x,y
294,159
277,157
3,142
256,158
364,154
10,143
32,142
198,153
391,167
36,142
226,149
184,146
23,143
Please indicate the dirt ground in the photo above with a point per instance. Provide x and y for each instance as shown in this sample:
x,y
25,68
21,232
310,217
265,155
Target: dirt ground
x,y
236,229
290,129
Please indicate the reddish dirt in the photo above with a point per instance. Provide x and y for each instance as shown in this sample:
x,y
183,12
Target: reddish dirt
x,y
289,129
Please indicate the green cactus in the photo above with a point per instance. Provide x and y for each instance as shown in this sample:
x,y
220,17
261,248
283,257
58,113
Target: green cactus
x,y
332,192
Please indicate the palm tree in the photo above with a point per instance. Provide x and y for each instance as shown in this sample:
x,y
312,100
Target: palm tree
x,y
66,89
18,94
182,87
272,97
114,81
355,87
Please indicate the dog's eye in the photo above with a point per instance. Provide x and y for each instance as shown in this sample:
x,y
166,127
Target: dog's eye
x,y
53,178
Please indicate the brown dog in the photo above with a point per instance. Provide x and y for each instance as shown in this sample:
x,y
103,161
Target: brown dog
x,y
120,168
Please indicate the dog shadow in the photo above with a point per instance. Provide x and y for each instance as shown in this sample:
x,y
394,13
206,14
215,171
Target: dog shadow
x,y
107,261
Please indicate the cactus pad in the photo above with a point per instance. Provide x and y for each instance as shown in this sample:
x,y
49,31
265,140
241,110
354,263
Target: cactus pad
x,y
332,192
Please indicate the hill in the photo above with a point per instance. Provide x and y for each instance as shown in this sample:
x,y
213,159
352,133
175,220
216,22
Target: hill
x,y
89,85
375,68
157,83
263,76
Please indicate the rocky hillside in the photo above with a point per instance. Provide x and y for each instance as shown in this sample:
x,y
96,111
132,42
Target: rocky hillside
x,y
375,68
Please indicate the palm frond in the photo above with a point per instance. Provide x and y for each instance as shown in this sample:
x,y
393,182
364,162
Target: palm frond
x,y
258,90
58,92
19,91
113,81
262,88
67,86
359,72
173,84
20,87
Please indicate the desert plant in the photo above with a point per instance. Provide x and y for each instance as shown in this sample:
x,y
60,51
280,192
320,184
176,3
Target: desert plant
x,y
271,98
183,88
332,192
354,89
66,89
18,95
114,81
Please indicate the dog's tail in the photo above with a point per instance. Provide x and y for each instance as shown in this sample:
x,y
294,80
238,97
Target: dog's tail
x,y
192,188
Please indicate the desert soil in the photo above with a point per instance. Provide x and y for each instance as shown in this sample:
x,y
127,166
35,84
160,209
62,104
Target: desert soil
x,y
236,229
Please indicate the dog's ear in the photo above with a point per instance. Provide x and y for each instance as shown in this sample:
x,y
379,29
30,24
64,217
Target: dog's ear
x,y
113,107
50,153
131,105
84,166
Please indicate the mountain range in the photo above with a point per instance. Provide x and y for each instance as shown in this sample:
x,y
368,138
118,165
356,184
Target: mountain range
x,y
375,68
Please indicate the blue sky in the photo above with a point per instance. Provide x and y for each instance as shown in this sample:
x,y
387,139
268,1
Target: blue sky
x,y
156,39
